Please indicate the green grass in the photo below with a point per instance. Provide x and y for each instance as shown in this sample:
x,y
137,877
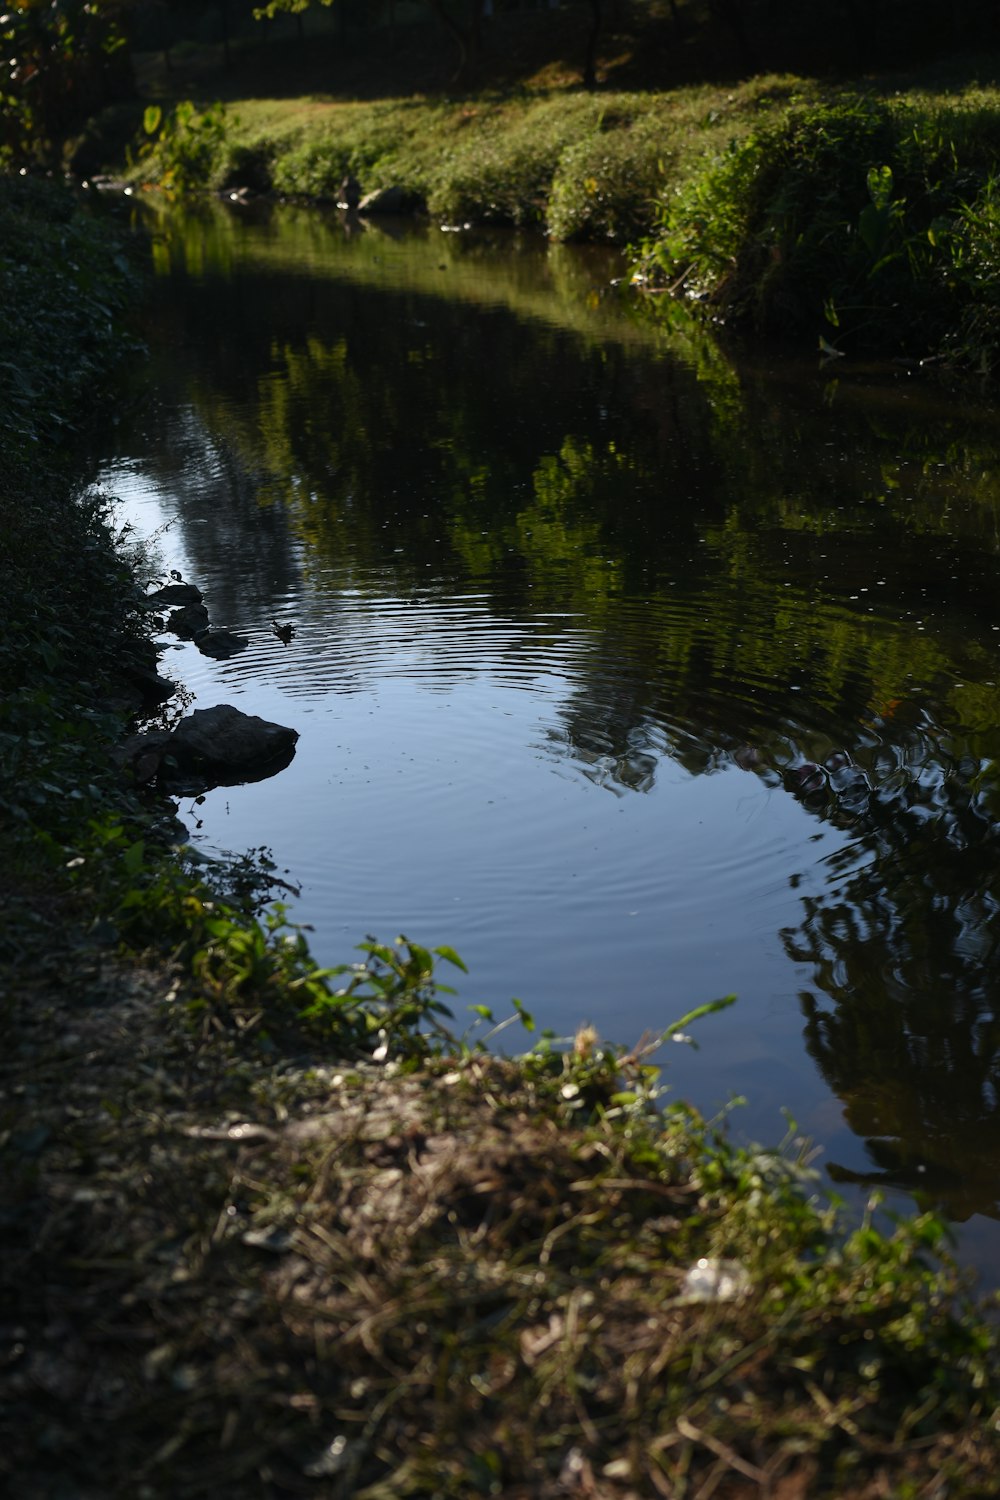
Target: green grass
x,y
575,164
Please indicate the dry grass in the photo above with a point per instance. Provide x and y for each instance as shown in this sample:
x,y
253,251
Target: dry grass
x,y
237,1275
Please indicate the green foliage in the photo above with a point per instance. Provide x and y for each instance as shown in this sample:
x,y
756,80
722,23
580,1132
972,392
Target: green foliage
x,y
871,216
60,61
313,170
186,145
66,282
488,183
607,185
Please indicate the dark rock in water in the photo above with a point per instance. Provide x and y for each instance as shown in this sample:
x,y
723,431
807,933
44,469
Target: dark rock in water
x,y
189,621
211,747
140,684
150,686
223,746
747,757
807,780
220,643
391,200
175,593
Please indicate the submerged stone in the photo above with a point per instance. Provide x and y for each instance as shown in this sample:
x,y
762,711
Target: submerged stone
x,y
175,593
220,643
188,621
211,747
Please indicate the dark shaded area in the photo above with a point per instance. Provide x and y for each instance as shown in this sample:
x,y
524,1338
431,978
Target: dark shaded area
x,y
369,51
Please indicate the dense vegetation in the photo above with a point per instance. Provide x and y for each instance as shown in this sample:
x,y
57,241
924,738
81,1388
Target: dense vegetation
x,y
872,219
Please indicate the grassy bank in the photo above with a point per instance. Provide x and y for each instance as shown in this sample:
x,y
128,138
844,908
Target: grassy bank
x,y
872,219
577,165
273,1231
864,214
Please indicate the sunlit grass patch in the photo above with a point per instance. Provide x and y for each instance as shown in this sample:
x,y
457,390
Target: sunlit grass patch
x,y
581,166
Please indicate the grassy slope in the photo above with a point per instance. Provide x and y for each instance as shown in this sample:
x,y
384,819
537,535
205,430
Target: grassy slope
x,y
243,1257
754,195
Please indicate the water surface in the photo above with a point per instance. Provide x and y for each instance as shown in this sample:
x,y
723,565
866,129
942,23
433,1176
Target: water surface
x,y
637,674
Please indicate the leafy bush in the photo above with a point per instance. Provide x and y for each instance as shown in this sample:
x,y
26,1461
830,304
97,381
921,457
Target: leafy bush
x,y
773,207
186,147
60,61
607,186
313,170
491,178
65,282
871,219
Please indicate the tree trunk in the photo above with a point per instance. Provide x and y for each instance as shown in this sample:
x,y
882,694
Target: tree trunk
x,y
732,13
590,60
463,38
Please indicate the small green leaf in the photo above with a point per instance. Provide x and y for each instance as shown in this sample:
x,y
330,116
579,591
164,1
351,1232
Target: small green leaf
x,y
527,1019
451,957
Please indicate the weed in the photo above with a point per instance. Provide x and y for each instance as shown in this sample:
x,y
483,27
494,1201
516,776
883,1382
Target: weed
x,y
186,144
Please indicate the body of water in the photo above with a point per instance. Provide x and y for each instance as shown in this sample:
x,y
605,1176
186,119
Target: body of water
x,y
638,674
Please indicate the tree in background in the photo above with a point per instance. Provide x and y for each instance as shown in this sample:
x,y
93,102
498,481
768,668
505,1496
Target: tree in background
x,y
461,19
62,61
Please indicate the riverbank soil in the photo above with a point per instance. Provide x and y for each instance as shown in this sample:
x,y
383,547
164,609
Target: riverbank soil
x,y
268,1230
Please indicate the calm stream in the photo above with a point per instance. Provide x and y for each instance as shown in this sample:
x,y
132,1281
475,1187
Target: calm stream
x,y
636,675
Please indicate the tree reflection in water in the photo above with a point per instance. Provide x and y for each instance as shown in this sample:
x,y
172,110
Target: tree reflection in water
x,y
904,948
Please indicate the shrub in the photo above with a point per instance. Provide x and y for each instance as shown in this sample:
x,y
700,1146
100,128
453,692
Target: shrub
x,y
186,148
314,169
872,219
608,185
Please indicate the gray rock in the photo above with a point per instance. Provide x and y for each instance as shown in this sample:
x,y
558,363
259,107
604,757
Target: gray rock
x,y
225,745
391,200
175,593
189,621
220,643
150,687
211,747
